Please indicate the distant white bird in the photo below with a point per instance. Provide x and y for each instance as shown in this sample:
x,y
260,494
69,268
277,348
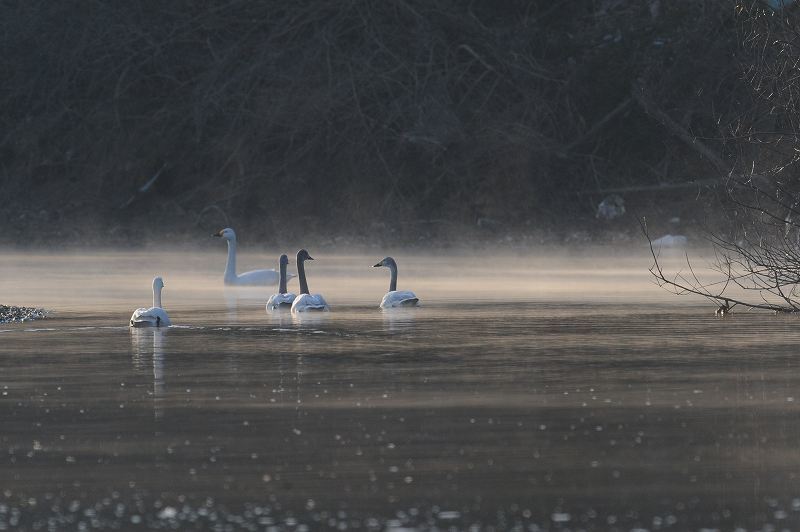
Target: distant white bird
x,y
154,316
670,241
281,300
253,278
306,302
395,297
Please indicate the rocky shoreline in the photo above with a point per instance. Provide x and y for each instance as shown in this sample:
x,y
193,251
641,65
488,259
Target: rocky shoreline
x,y
10,314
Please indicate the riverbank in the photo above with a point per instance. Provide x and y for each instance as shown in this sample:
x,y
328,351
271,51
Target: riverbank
x,y
11,314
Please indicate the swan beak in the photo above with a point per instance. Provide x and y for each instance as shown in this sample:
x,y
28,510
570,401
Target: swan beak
x,y
218,233
309,258
377,265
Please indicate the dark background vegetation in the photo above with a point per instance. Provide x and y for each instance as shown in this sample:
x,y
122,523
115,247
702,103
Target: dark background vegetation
x,y
414,120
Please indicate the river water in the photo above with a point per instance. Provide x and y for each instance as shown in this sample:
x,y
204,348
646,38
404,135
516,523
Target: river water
x,y
560,392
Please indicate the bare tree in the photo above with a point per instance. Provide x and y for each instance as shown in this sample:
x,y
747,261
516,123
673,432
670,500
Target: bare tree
x,y
758,270
757,254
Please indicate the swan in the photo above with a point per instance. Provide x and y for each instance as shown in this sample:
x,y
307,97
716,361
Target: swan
x,y
281,300
305,301
395,297
154,316
253,278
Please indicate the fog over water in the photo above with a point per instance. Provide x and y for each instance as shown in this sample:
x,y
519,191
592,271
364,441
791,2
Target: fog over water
x,y
553,391
108,281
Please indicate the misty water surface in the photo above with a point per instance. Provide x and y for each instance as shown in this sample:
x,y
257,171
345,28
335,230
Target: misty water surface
x,y
560,392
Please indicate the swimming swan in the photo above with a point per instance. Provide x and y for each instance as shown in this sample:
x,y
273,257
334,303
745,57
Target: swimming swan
x,y
395,297
281,300
154,316
305,301
253,278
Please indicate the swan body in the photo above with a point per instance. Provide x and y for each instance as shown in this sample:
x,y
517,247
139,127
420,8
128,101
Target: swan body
x,y
310,302
306,302
399,298
394,297
252,278
154,316
281,300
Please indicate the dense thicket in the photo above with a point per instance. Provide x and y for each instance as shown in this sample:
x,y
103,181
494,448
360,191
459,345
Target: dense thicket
x,y
362,116
757,250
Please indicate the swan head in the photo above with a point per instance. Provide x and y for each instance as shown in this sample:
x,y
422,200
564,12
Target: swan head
x,y
303,255
158,283
388,262
226,234
283,260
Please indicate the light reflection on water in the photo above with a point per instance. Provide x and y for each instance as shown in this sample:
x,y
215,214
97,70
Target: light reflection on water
x,y
147,355
587,414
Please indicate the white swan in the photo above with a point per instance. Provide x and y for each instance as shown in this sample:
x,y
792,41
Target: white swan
x,y
154,316
253,278
395,297
305,301
281,300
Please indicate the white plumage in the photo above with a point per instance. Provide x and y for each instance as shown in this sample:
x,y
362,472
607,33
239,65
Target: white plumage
x,y
251,278
279,301
309,302
306,302
154,316
399,298
394,297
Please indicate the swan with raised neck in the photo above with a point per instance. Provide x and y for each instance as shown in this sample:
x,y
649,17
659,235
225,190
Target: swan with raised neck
x,y
283,299
251,278
306,301
154,316
302,257
395,297
283,261
158,285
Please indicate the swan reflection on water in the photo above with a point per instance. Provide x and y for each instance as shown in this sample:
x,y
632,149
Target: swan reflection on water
x,y
306,319
148,344
399,318
281,318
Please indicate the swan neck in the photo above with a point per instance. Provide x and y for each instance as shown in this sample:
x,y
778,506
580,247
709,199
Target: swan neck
x,y
393,282
282,287
157,296
230,266
301,274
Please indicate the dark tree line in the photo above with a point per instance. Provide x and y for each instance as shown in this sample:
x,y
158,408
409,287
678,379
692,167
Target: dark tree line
x,y
393,116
